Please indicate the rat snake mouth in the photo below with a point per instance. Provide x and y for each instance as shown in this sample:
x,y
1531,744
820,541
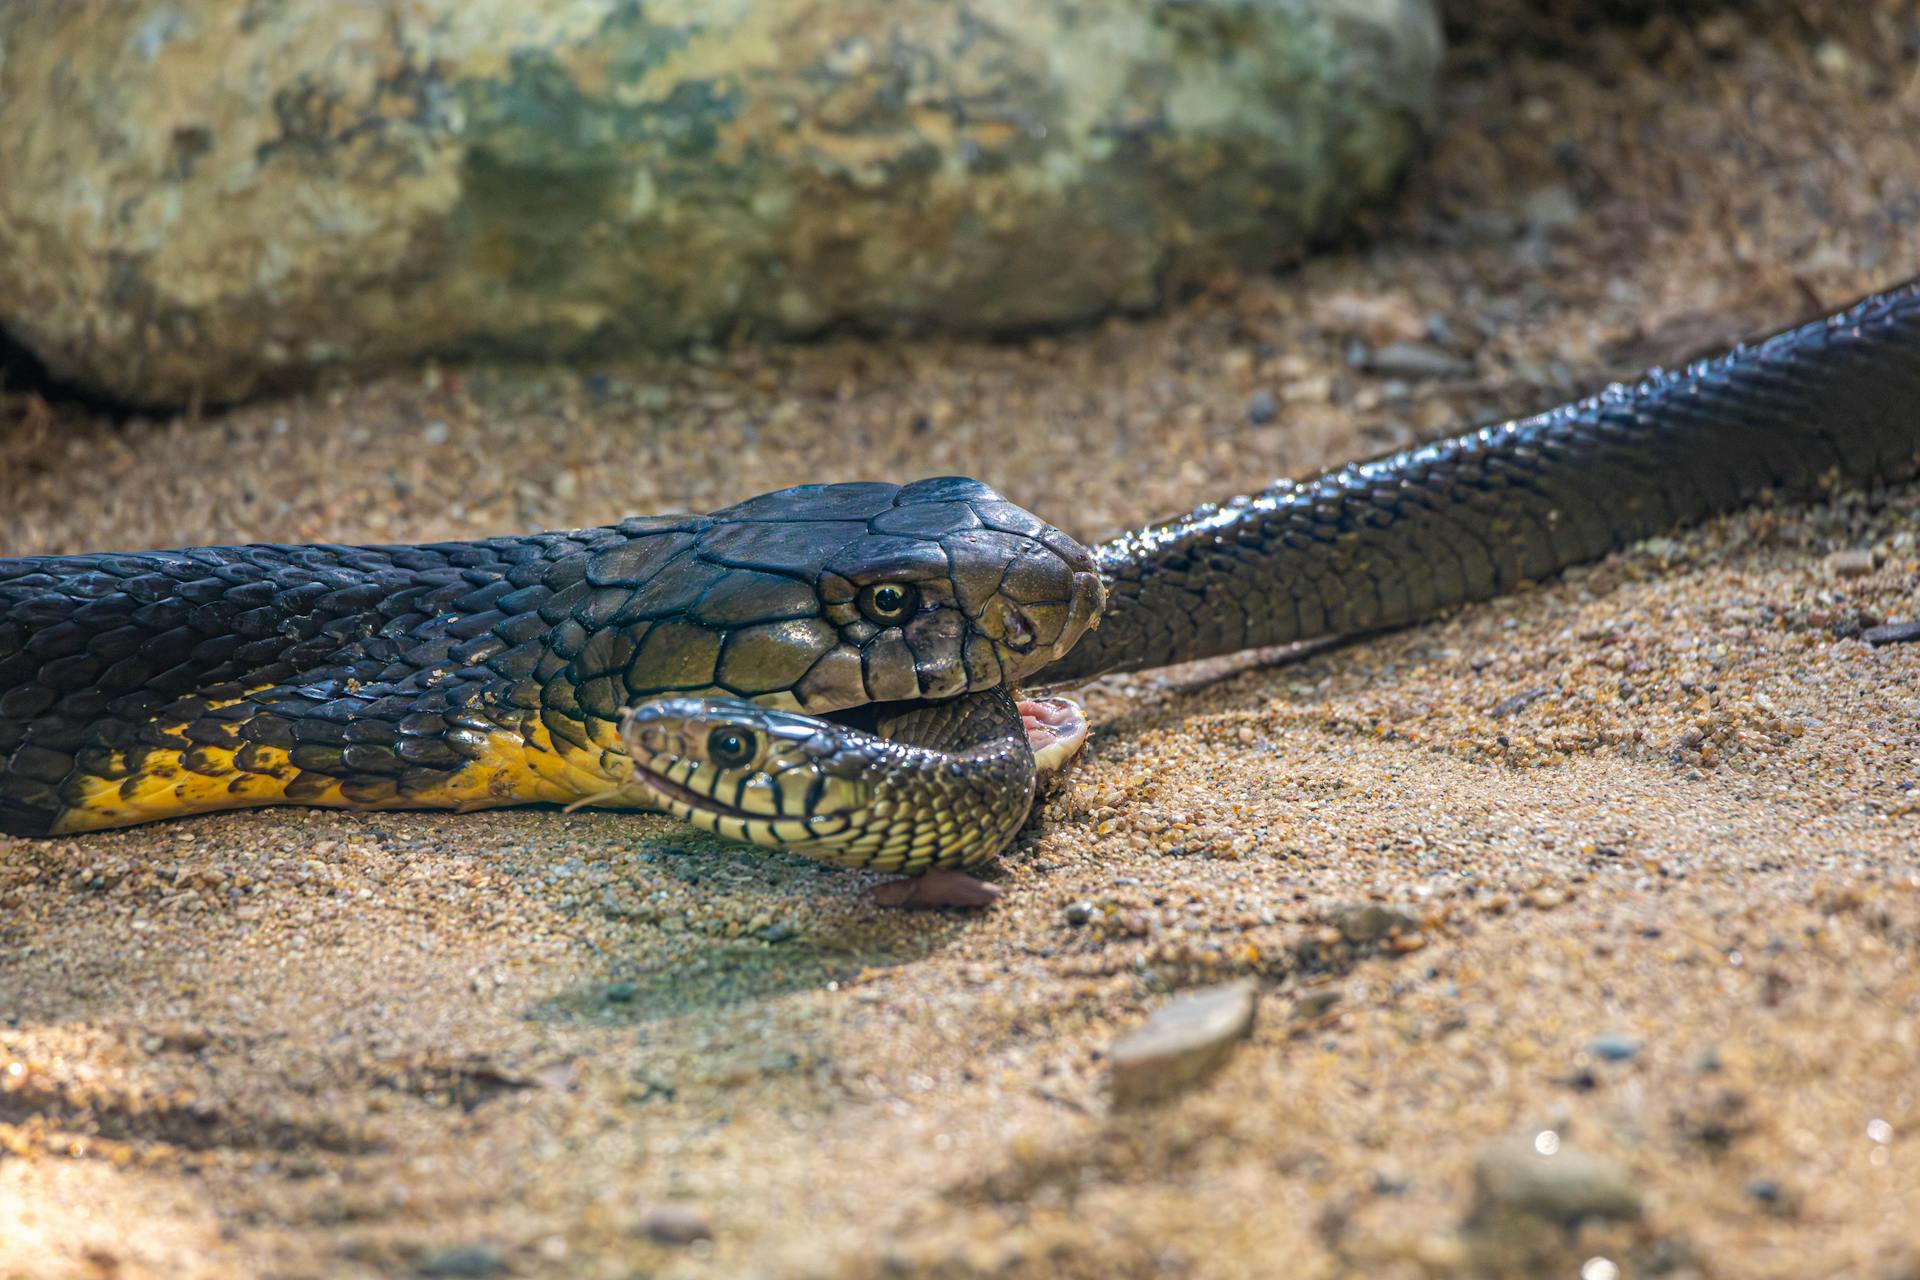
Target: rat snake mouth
x,y
467,675
675,797
865,718
894,789
1056,729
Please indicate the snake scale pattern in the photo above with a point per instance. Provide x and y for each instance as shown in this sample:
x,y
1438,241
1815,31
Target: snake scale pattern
x,y
153,684
471,674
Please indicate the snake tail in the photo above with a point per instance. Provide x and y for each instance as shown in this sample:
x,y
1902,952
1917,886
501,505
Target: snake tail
x,y
1394,540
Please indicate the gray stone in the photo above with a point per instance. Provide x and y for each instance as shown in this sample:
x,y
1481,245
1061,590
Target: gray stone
x,y
1855,562
1372,922
1892,633
1416,360
1550,209
467,1260
1182,1043
1514,1176
1613,1046
676,1224
205,197
1314,1001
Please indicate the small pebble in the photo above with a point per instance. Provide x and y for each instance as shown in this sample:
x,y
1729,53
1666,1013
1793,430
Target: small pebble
x,y
466,1260
1775,1199
676,1224
1182,1043
178,1039
1665,550
1551,208
1416,360
1892,633
1261,409
1835,60
1613,1047
1856,563
1391,1182
1314,1001
1079,913
1582,1081
1720,33
1515,1175
1360,925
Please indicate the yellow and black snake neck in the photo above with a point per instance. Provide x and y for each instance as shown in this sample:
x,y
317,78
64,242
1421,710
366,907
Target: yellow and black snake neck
x,y
471,674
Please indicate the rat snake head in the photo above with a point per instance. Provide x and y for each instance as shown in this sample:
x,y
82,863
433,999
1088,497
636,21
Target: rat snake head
x,y
745,772
932,784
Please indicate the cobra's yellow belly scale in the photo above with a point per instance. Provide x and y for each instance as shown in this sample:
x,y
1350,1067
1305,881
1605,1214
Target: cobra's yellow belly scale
x,y
527,766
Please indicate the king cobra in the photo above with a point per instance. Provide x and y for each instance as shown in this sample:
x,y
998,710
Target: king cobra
x,y
832,669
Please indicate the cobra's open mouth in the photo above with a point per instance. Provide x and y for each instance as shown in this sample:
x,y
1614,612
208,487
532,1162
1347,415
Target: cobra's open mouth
x,y
1056,730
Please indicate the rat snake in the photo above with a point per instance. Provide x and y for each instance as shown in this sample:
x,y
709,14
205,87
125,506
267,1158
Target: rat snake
x,y
830,668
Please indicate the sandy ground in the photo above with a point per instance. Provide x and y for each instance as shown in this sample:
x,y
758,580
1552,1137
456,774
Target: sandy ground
x,y
1652,828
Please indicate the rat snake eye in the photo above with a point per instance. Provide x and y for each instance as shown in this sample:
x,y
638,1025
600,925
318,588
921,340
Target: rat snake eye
x,y
731,748
888,604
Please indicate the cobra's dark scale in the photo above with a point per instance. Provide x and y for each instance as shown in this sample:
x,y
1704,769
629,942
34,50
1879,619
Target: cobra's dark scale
x,y
1387,542
467,674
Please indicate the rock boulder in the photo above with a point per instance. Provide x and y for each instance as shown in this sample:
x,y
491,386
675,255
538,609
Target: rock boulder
x,y
199,198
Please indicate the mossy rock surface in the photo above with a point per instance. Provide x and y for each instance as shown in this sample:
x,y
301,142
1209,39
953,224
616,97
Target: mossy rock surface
x,y
207,197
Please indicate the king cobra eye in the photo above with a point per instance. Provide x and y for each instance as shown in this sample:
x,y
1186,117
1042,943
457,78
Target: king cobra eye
x,y
888,603
731,748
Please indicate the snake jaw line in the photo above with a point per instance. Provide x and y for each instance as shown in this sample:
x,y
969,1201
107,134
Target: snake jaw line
x,y
836,792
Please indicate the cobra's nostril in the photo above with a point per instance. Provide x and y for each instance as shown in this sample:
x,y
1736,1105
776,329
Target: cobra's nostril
x,y
1084,610
1008,625
1018,631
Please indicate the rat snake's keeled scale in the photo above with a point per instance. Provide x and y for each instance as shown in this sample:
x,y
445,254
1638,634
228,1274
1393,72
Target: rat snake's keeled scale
x,y
460,675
